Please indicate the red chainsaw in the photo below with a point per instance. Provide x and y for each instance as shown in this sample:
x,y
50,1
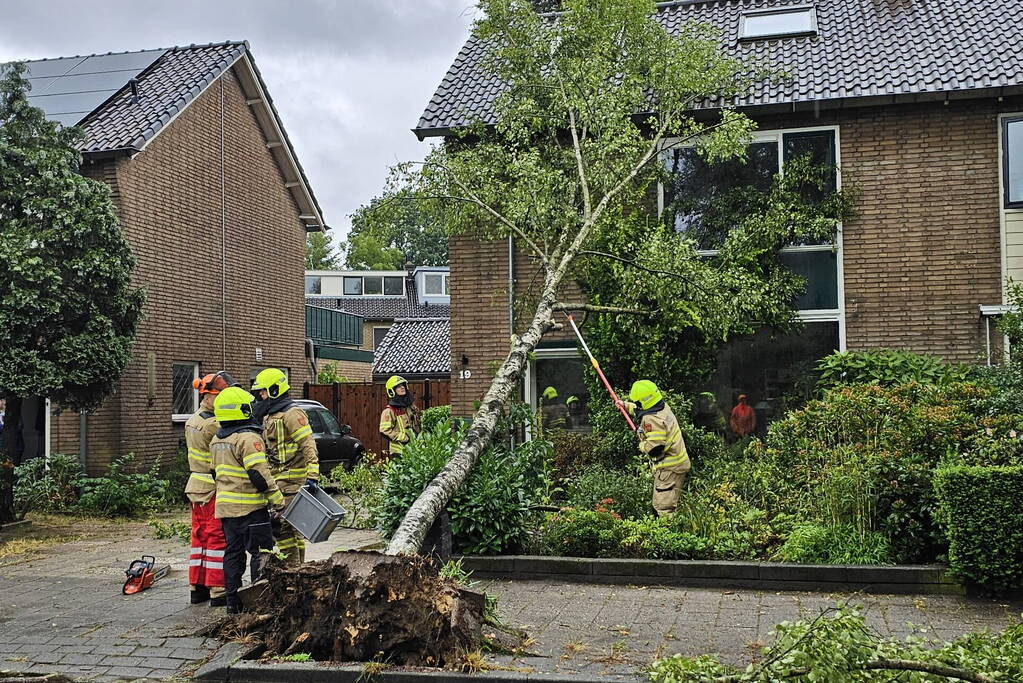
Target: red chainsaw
x,y
141,575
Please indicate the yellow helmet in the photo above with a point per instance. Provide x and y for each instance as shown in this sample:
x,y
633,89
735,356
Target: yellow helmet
x,y
392,384
233,403
645,393
273,380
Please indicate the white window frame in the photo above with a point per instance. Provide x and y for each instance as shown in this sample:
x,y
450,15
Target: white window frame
x,y
792,9
777,135
530,394
183,417
444,284
1004,211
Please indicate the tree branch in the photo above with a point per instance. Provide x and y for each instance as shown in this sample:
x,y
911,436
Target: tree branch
x,y
635,264
590,308
926,667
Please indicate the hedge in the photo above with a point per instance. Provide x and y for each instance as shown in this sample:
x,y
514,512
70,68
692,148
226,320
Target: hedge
x,y
981,510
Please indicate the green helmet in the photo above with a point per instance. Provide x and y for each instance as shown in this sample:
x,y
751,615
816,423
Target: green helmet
x,y
392,384
550,393
645,393
233,403
273,380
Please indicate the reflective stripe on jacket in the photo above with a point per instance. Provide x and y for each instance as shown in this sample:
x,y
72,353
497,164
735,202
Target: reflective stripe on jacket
x,y
237,496
661,429
199,431
292,448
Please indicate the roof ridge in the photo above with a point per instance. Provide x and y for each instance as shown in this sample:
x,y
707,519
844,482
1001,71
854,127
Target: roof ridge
x,y
222,43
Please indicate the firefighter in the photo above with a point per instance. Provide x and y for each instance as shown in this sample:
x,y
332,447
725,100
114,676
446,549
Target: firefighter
x,y
399,421
206,562
291,448
244,489
660,438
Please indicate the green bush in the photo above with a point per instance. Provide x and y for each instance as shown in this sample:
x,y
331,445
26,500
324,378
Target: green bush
x,y
177,474
980,510
360,490
122,493
602,533
573,451
816,544
51,487
885,367
627,493
435,416
489,513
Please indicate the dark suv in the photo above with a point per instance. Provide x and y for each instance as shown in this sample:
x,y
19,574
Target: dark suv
x,y
335,444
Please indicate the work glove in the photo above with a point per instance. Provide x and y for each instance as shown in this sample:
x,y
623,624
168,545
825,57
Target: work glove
x,y
311,484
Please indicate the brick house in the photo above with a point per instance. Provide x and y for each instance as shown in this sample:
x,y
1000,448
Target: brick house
x,y
405,319
212,199
919,104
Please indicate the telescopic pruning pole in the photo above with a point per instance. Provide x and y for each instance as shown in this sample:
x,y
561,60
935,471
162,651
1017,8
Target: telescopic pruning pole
x,y
600,373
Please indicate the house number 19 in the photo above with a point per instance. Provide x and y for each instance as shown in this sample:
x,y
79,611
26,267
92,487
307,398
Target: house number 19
x,y
464,374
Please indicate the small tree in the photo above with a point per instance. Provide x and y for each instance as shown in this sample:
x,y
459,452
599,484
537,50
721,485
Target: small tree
x,y
68,311
320,252
567,170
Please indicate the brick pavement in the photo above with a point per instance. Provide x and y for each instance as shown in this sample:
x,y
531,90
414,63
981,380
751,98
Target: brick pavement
x,y
618,630
62,611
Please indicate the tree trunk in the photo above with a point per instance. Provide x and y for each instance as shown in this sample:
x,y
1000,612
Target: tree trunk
x,y
413,528
12,424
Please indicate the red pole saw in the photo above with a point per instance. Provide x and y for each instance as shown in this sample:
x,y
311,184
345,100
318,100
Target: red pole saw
x,y
600,373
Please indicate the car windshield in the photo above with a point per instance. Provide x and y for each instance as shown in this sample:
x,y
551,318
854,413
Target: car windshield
x,y
329,422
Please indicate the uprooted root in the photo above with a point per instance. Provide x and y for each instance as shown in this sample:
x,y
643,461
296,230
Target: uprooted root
x,y
359,606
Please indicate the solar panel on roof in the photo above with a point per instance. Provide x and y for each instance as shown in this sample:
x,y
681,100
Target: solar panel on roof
x,y
67,90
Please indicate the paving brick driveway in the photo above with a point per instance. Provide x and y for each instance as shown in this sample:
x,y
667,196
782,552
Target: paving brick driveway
x,y
61,610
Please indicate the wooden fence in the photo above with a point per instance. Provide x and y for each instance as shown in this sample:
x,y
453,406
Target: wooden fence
x,y
360,404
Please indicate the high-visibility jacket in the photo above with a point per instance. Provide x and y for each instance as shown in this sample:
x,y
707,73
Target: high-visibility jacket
x,y
398,426
199,432
238,492
660,428
292,448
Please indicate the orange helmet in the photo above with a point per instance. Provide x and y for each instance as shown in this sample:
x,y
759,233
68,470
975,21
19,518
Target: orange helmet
x,y
213,383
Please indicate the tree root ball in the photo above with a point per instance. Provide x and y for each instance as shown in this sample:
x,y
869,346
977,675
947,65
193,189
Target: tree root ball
x,y
363,606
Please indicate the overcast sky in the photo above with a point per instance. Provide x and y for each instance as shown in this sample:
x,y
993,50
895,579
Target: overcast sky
x,y
349,77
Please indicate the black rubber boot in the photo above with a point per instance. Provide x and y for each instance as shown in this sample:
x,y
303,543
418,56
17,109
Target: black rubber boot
x,y
199,594
219,601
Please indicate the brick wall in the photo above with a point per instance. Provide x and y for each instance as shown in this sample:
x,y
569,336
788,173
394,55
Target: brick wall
x,y
922,253
169,203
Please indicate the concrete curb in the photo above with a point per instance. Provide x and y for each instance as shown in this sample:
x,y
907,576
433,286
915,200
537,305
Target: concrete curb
x,y
323,672
924,579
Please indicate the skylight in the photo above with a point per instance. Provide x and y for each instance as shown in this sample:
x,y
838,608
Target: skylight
x,y
778,23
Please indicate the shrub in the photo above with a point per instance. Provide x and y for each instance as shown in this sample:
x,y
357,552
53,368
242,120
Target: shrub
x,y
50,488
602,533
629,492
177,476
490,511
122,493
979,508
816,544
435,416
885,367
573,451
360,491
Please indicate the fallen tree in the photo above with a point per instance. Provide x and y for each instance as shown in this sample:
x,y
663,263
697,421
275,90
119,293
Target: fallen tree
x,y
593,97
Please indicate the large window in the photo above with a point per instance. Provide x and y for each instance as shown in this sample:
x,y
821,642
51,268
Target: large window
x,y
374,285
313,284
555,387
700,198
435,284
772,371
184,397
1012,166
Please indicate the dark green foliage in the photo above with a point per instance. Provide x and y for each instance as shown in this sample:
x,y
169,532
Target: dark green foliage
x,y
68,311
435,416
176,474
122,493
489,513
52,488
981,510
816,544
627,493
602,533
394,229
886,367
